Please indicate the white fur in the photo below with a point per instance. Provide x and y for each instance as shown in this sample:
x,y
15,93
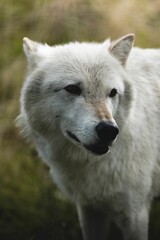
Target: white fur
x,y
120,184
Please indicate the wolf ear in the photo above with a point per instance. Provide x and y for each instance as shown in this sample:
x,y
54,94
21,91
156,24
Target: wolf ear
x,y
121,48
34,51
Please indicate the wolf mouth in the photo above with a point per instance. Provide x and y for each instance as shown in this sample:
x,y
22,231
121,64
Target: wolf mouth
x,y
97,148
70,134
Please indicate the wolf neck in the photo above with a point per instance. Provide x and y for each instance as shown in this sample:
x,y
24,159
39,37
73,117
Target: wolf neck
x,y
73,167
85,177
76,172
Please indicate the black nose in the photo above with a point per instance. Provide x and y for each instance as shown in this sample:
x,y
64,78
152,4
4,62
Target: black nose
x,y
107,131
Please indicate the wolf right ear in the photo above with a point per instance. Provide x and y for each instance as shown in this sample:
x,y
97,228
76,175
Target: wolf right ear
x,y
34,51
30,47
121,48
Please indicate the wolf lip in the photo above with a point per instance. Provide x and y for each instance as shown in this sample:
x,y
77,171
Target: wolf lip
x,y
73,136
97,149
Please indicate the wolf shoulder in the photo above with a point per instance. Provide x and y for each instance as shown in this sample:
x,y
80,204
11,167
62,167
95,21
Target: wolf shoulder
x,y
144,61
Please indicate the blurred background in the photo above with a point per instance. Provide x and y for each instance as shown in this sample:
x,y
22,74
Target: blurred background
x,y
31,207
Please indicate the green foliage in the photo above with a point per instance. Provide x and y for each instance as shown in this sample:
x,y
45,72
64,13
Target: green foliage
x,y
31,207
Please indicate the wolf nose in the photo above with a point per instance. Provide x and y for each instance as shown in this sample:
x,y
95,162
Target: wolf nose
x,y
107,131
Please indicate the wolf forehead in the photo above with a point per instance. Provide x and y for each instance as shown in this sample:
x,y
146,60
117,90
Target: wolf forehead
x,y
77,63
80,62
120,49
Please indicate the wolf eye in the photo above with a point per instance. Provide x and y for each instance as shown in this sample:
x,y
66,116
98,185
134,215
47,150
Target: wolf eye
x,y
73,89
113,93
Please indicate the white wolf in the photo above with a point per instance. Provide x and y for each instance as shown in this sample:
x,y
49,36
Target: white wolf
x,y
93,112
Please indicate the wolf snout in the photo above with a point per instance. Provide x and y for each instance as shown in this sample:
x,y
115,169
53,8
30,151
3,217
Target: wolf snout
x,y
107,131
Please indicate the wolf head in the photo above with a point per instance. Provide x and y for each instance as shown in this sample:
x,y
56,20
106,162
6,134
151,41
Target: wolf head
x,y
76,91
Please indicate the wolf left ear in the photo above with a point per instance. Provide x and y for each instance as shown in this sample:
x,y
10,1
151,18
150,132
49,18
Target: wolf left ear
x,y
121,48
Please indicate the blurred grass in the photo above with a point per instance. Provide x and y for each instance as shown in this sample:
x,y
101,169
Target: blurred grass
x,y
31,207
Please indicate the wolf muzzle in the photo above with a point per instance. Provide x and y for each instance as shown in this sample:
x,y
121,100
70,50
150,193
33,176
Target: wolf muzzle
x,y
107,132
